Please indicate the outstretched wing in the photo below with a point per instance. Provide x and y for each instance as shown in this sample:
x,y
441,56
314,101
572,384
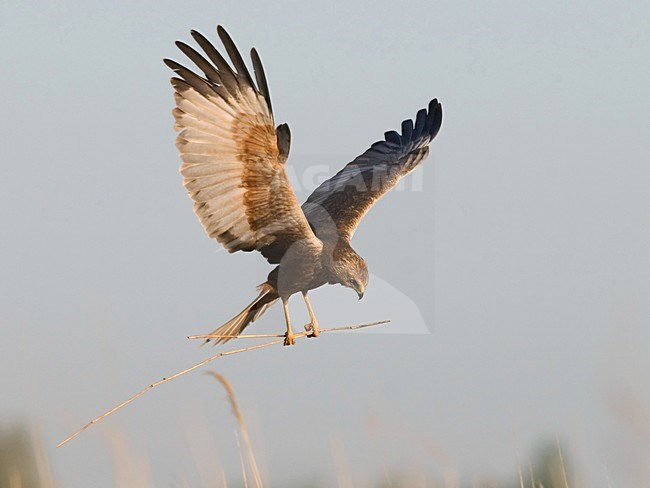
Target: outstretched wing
x,y
233,156
336,207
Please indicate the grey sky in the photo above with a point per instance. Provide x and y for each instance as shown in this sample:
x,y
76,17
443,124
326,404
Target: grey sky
x,y
526,254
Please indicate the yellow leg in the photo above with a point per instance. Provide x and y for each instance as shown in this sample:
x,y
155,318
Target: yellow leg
x,y
288,337
313,325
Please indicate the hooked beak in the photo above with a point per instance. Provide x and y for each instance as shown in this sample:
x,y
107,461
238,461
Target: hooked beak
x,y
360,294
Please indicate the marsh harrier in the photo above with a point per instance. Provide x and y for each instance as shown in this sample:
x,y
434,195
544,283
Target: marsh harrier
x,y
233,168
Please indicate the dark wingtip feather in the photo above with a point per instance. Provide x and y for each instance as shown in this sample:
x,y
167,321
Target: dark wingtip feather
x,y
226,74
192,79
210,72
283,134
436,117
176,66
235,56
197,35
407,131
260,76
178,83
420,120
185,48
393,137
170,63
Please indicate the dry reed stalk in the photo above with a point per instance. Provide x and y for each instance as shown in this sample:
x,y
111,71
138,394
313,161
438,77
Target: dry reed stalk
x,y
198,365
515,438
130,467
15,478
343,475
242,427
532,475
43,466
564,473
609,483
241,461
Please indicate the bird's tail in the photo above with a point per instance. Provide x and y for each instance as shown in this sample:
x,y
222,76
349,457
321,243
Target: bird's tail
x,y
235,326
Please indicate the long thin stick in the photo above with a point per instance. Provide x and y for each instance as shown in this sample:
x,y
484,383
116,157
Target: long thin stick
x,y
198,365
260,336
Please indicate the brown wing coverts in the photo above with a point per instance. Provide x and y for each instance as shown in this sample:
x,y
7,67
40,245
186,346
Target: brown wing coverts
x,y
336,207
233,158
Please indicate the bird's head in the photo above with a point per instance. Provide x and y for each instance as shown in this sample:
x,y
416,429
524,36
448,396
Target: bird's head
x,y
351,270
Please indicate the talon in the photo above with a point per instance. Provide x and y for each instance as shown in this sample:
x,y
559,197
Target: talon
x,y
312,328
289,339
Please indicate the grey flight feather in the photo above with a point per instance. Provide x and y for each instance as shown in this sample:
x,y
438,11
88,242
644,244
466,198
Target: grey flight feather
x,y
345,198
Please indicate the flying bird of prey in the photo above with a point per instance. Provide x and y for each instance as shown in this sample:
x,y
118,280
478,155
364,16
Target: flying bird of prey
x,y
233,168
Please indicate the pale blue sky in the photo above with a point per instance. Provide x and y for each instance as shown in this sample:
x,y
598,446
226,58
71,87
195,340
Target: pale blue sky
x,y
525,256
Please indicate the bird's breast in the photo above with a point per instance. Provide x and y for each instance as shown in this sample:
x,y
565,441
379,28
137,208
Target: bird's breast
x,y
300,270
